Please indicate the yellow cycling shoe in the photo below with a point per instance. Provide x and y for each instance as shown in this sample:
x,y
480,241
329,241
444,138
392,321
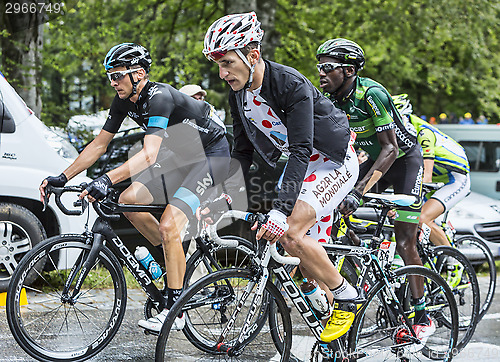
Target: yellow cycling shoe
x,y
340,321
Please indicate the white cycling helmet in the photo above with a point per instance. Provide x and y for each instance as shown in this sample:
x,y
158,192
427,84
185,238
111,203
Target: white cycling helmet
x,y
233,32
403,105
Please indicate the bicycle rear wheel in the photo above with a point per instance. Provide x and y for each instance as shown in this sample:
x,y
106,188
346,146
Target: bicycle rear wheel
x,y
480,255
392,340
53,327
458,272
210,304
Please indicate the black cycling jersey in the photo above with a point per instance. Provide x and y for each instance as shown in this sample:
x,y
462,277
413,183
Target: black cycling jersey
x,y
161,106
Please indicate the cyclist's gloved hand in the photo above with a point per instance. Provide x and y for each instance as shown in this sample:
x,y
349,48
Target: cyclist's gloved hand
x,y
99,187
275,226
57,181
350,203
209,208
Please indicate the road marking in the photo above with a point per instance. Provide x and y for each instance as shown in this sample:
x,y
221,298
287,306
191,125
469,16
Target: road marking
x,y
491,316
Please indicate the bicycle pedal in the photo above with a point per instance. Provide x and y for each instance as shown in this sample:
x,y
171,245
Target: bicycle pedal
x,y
152,333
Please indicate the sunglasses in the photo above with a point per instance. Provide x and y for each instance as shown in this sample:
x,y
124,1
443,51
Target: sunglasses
x,y
214,56
117,76
328,67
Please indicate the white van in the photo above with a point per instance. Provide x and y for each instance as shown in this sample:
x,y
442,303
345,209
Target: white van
x,y
482,145
29,152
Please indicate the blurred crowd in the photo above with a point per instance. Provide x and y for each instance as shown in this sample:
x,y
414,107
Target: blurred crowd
x,y
443,118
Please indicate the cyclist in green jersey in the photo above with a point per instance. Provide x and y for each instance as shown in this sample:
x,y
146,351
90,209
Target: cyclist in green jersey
x,y
444,161
395,158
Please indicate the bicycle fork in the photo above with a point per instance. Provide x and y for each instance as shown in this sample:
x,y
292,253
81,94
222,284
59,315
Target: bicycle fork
x,y
248,327
83,265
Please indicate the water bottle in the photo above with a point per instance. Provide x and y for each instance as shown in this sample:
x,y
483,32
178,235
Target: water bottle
x,y
316,297
144,256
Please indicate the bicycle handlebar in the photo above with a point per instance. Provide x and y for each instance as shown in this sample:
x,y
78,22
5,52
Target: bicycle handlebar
x,y
251,218
58,191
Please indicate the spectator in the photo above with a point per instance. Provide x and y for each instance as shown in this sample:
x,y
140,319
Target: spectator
x,y
467,119
482,119
432,120
424,117
443,118
453,118
195,91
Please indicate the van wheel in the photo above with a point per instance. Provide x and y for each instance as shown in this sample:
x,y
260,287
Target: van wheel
x,y
20,230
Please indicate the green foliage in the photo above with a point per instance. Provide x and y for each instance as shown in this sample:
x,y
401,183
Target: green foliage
x,y
445,54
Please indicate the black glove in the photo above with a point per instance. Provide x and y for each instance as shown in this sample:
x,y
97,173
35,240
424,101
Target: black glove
x,y
98,188
57,181
350,203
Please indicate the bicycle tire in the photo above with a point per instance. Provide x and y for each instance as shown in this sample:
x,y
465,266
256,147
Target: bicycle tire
x,y
227,257
440,304
71,331
487,296
466,291
211,301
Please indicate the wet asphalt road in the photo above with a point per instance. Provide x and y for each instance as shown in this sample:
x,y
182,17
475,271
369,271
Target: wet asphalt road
x,y
131,344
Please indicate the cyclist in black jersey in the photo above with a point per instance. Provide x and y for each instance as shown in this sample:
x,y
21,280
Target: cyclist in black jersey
x,y
185,154
276,110
395,157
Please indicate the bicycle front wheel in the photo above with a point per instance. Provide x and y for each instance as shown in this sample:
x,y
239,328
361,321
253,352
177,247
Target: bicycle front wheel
x,y
59,327
386,307
480,256
217,307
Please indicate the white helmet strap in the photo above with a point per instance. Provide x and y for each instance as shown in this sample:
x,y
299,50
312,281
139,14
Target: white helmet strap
x,y
252,67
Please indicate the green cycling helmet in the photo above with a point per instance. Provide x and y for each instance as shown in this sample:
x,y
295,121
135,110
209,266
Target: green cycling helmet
x,y
344,50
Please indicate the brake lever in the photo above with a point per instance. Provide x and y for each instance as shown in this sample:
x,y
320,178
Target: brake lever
x,y
48,192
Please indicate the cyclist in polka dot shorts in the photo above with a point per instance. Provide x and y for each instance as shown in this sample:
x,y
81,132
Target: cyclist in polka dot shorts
x,y
275,111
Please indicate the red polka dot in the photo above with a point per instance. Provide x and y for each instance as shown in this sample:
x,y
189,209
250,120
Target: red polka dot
x,y
266,123
326,159
256,102
314,157
322,240
326,219
329,231
319,229
310,178
270,113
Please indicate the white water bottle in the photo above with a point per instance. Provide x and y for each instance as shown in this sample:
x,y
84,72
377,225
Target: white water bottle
x,y
144,256
317,297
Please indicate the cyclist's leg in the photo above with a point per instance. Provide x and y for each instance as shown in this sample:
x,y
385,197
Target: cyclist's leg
x,y
430,211
406,177
144,222
456,188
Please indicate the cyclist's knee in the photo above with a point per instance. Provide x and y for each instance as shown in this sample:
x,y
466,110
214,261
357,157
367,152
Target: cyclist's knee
x,y
169,230
291,241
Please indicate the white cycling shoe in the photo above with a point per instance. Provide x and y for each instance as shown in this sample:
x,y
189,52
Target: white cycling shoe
x,y
155,323
423,333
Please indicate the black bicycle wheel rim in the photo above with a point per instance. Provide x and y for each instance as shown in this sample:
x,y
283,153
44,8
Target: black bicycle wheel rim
x,y
167,335
83,308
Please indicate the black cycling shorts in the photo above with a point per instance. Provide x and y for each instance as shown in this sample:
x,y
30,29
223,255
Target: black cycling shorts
x,y
405,176
185,183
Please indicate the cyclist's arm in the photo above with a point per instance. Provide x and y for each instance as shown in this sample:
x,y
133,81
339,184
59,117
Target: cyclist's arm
x,y
141,160
242,148
90,154
378,105
388,153
427,139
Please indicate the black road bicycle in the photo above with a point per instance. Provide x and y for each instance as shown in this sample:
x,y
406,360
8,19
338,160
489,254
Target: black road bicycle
x,y
76,309
446,261
227,309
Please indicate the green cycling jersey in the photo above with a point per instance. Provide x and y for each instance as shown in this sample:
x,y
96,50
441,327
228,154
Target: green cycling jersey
x,y
447,154
370,110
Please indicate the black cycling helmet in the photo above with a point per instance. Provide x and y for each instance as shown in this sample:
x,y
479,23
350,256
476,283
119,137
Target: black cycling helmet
x,y
344,50
126,55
